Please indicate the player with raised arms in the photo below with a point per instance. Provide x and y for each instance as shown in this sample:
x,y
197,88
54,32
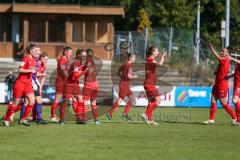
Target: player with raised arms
x,y
90,89
236,88
150,82
126,74
220,88
72,89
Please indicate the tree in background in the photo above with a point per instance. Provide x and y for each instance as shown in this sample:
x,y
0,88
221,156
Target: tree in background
x,y
144,21
180,14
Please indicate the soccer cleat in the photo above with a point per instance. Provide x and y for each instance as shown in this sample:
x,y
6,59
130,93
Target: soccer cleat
x,y
82,122
234,122
24,122
109,116
54,120
210,121
153,122
31,119
78,121
148,122
144,117
6,123
12,117
126,117
96,122
237,124
41,121
61,122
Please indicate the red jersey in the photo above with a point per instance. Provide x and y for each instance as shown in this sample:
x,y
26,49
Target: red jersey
x,y
90,74
75,72
124,70
27,63
150,70
237,75
222,72
62,64
41,69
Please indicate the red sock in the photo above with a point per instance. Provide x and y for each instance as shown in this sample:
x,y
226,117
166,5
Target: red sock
x,y
62,111
150,109
34,114
53,108
213,110
18,108
95,112
237,110
27,111
75,107
229,110
80,107
80,110
9,112
127,107
84,115
114,107
147,110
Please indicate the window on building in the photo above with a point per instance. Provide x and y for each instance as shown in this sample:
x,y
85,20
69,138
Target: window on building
x,y
56,31
90,31
102,32
20,29
1,27
5,27
36,29
77,31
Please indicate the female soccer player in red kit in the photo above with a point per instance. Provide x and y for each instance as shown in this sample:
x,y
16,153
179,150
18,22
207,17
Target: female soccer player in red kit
x,y
72,89
126,74
23,86
236,88
90,89
150,83
220,88
63,66
38,79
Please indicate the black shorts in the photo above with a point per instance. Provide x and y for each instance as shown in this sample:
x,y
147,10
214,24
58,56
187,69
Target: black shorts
x,y
37,93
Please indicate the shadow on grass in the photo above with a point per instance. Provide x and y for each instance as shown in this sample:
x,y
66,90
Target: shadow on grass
x,y
15,122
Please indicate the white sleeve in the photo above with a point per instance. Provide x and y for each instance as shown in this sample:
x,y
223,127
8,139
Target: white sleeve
x,y
35,84
21,64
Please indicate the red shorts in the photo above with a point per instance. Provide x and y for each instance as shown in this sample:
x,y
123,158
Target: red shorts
x,y
124,89
59,86
236,91
71,90
220,92
21,89
90,90
151,91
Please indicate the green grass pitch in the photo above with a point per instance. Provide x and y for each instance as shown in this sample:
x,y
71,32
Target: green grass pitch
x,y
179,139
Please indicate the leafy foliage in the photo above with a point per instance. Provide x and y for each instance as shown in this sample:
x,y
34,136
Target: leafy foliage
x,y
176,13
144,21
